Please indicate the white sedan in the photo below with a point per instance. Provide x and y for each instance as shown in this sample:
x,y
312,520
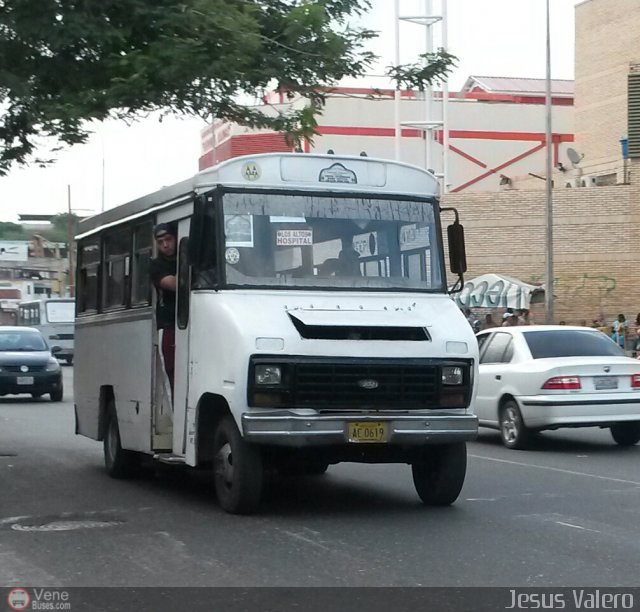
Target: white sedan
x,y
540,377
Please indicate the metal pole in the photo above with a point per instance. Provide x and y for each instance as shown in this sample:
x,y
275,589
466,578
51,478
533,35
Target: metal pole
x,y
445,104
103,173
428,92
70,244
398,95
549,185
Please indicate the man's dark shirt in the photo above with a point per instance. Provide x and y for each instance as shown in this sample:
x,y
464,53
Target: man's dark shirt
x,y
166,304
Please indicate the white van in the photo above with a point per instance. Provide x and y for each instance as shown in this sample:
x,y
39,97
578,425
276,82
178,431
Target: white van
x,y
54,318
313,326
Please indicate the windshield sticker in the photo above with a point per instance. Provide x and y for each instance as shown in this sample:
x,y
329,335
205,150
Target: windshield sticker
x,y
238,230
232,256
294,238
337,173
251,171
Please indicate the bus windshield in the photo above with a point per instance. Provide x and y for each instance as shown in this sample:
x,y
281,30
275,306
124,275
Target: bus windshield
x,y
60,312
331,241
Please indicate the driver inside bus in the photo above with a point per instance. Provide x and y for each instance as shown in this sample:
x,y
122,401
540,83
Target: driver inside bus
x,y
163,276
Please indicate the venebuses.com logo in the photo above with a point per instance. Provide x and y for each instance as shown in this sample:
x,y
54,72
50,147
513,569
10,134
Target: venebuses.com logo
x,y
18,599
38,599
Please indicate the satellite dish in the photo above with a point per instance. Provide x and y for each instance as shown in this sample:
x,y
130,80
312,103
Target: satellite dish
x,y
574,156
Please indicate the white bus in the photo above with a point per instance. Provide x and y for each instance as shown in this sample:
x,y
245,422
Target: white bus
x,y
313,326
54,318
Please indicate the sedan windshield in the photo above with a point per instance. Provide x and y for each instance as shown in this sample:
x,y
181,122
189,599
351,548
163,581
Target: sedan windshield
x,y
571,343
22,341
336,242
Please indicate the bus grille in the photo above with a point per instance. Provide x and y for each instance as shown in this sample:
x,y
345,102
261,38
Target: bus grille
x,y
345,385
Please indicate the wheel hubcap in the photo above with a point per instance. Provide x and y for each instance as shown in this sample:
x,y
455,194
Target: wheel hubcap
x,y
224,465
509,425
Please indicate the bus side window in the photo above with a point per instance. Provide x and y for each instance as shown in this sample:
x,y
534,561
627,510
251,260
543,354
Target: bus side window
x,y
117,252
142,248
89,264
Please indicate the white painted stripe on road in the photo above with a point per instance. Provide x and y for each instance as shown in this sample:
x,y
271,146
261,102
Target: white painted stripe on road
x,y
13,519
577,527
299,536
554,469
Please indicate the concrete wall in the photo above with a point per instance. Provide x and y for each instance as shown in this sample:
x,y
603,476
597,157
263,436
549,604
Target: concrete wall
x,y
596,234
607,42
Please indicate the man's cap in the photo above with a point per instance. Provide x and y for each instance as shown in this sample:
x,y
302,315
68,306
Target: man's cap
x,y
164,228
507,315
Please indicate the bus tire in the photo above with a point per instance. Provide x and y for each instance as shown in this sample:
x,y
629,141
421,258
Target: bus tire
x,y
238,473
57,394
439,475
118,462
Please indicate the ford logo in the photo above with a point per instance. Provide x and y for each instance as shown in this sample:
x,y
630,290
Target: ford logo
x,y
24,368
368,384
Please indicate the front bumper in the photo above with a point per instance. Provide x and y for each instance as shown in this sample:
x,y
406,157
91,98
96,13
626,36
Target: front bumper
x,y
550,411
42,382
287,428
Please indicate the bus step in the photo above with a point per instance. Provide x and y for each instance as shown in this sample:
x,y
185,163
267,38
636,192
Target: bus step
x,y
169,458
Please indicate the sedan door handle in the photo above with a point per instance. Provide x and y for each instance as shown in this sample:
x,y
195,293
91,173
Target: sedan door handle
x,y
498,377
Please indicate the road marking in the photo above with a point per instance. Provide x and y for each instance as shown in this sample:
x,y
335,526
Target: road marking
x,y
13,519
577,527
553,469
299,536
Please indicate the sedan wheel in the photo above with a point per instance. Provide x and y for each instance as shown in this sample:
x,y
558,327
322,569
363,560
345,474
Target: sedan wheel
x,y
626,434
512,428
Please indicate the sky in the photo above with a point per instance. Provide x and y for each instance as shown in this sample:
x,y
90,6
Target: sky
x,y
489,37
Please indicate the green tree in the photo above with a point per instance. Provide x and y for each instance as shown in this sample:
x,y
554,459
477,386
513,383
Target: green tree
x,y
60,230
12,231
66,62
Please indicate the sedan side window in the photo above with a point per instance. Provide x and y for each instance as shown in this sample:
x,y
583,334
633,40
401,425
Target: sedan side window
x,y
499,349
482,340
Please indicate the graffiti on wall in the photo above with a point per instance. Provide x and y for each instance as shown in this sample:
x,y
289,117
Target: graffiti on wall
x,y
574,288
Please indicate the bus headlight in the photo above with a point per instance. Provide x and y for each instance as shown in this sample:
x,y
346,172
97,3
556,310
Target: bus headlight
x,y
52,365
452,375
268,374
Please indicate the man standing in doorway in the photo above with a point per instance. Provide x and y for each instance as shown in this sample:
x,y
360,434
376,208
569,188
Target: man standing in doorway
x,y
163,277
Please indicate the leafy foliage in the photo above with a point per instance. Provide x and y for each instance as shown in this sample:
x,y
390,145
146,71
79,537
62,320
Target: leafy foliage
x,y
66,62
431,69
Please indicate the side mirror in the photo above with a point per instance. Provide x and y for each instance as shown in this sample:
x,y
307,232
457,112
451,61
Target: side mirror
x,y
457,251
55,349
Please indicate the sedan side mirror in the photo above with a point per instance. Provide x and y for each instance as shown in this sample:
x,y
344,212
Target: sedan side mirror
x,y
55,349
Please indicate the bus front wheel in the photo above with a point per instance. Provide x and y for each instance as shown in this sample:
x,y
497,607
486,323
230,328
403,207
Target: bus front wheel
x,y
238,473
439,475
118,462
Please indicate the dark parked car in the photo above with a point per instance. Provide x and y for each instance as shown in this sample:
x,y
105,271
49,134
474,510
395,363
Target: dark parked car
x,y
27,364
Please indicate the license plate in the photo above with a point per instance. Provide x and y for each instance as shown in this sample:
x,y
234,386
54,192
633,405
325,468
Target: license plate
x,y
605,382
368,432
25,380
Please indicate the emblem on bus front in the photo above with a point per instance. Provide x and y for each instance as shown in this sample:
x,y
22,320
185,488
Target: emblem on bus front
x,y
368,383
337,173
251,171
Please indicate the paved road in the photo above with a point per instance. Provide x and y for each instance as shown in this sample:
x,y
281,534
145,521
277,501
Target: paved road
x,y
564,513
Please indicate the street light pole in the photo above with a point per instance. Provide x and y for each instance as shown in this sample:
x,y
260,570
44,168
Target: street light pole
x,y
549,185
70,244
